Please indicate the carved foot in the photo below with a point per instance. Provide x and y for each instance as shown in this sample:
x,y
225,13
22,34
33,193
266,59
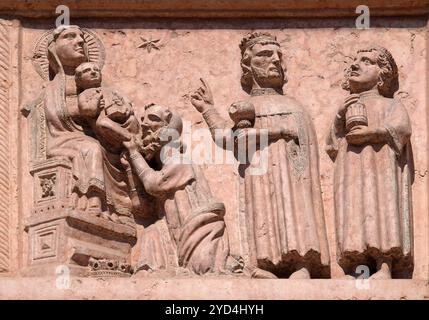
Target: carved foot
x,y
126,220
262,274
382,274
105,215
300,274
74,200
82,203
94,212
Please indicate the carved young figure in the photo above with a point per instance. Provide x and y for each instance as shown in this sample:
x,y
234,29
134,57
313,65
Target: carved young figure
x,y
111,117
283,207
370,144
194,217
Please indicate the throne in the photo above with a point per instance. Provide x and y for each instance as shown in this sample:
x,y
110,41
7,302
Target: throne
x,y
58,234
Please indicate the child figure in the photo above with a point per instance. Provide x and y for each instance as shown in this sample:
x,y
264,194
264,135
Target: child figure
x,y
110,115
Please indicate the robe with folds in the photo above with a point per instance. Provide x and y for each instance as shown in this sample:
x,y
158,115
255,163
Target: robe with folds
x,y
280,193
93,167
193,218
283,206
372,189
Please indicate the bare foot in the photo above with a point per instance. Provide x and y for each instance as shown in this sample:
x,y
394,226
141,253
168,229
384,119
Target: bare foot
x,y
113,217
94,203
82,203
74,200
94,212
262,274
382,274
300,274
126,220
105,215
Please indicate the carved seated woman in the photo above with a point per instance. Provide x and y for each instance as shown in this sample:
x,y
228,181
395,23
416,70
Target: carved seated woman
x,y
99,181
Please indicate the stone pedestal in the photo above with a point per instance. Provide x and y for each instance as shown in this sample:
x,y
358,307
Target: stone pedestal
x,y
59,235
65,237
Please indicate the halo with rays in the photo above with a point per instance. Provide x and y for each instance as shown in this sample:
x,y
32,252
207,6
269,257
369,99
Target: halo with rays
x,y
96,52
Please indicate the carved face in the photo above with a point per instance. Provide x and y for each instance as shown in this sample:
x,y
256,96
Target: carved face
x,y
364,72
266,65
88,75
155,119
69,47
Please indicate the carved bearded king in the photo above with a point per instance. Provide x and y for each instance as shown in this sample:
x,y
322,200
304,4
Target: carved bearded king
x,y
370,144
194,218
283,207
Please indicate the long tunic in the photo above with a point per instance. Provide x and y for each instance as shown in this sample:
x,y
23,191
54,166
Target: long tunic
x,y
193,217
284,219
372,189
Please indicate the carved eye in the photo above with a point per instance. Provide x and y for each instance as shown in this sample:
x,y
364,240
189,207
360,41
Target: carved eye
x,y
154,118
70,35
367,61
265,53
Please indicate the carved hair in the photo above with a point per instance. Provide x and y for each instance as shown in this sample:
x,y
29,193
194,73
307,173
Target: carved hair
x,y
78,71
388,82
57,31
173,120
246,46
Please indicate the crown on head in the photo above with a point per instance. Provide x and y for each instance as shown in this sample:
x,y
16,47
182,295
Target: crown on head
x,y
257,37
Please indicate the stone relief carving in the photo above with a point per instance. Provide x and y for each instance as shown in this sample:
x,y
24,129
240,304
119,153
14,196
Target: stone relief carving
x,y
99,170
47,185
369,142
283,206
4,146
97,166
71,125
194,218
149,44
101,268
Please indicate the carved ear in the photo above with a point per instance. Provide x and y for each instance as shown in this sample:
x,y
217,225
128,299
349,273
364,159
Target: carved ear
x,y
245,68
167,116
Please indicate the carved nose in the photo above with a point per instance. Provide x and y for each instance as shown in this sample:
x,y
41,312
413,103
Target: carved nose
x,y
80,41
354,67
275,58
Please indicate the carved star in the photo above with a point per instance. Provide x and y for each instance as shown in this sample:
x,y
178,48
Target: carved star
x,y
149,44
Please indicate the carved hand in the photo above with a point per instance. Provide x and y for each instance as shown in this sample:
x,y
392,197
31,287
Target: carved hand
x,y
90,101
351,99
245,133
202,98
124,161
363,134
131,145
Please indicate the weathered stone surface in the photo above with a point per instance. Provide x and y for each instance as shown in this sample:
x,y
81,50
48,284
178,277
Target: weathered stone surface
x,y
89,195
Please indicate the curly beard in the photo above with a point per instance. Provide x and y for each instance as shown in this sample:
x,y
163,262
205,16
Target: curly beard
x,y
151,144
264,77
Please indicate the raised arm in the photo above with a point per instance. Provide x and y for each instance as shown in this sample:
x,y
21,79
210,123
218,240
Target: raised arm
x,y
202,100
162,182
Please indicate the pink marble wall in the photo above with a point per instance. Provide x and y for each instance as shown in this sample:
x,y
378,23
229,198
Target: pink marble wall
x,y
316,53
